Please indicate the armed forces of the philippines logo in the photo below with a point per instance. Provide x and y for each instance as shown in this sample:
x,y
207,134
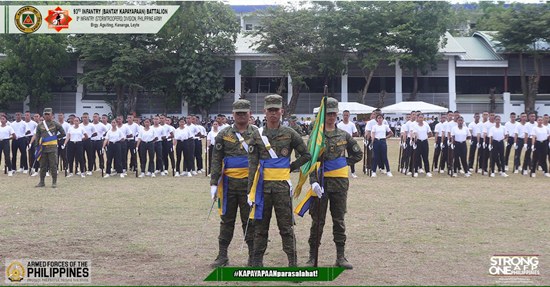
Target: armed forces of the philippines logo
x,y
28,19
15,271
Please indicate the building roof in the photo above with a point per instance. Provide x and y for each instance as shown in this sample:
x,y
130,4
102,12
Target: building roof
x,y
477,50
451,46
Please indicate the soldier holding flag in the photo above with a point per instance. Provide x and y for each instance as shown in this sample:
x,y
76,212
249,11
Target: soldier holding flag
x,y
48,132
334,179
269,180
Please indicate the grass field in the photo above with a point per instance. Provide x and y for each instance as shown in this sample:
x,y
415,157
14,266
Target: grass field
x,y
401,230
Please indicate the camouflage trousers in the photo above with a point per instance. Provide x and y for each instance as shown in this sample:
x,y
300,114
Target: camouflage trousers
x,y
337,211
48,160
280,201
235,199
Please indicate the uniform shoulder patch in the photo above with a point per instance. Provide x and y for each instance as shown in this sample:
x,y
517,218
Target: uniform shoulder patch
x,y
284,151
356,148
219,146
251,149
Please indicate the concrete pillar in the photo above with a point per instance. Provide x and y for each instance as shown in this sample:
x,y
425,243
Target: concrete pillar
x,y
289,88
344,89
398,83
452,84
507,108
238,64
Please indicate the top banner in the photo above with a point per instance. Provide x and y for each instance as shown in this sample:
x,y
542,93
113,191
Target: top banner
x,y
85,19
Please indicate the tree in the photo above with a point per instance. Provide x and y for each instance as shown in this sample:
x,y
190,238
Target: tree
x,y
523,26
200,39
290,33
417,31
32,67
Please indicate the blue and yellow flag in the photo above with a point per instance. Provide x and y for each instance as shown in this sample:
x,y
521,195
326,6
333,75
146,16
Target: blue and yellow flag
x,y
50,140
315,146
273,169
232,167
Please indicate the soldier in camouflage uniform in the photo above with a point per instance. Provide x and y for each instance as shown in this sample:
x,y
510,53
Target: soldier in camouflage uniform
x,y
293,123
228,147
275,143
336,185
49,146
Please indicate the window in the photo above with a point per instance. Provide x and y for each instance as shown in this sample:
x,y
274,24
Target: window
x,y
248,27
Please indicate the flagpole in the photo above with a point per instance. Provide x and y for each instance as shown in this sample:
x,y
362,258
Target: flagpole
x,y
322,179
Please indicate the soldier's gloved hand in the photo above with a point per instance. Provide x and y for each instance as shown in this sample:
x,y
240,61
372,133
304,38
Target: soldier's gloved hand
x,y
515,146
435,145
370,146
452,146
28,146
404,145
533,148
490,147
291,188
411,142
414,146
366,143
484,145
213,191
478,145
317,189
62,146
524,146
250,203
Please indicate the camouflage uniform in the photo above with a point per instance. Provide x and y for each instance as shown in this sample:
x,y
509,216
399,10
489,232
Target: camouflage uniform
x,y
49,152
276,193
336,190
295,126
227,145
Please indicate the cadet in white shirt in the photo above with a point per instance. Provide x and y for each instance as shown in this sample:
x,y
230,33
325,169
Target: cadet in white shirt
x,y
6,134
379,133
182,138
438,131
167,144
475,130
133,128
529,149
539,140
160,135
30,131
113,141
189,147
61,148
19,143
510,129
75,148
210,142
459,135
198,144
146,147
420,133
520,140
97,141
485,152
497,135
89,151
351,129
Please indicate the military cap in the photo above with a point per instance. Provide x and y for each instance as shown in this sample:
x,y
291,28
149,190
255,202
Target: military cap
x,y
273,101
293,118
332,105
241,105
48,111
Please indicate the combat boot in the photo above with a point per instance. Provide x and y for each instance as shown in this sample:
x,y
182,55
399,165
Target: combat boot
x,y
54,182
250,253
222,259
312,254
292,260
341,260
40,184
258,261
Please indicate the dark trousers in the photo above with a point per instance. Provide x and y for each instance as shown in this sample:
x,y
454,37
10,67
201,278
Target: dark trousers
x,y
62,153
32,161
539,156
481,155
75,152
89,153
460,156
235,200
180,147
97,145
338,209
437,152
124,155
211,151
421,154
147,155
517,153
114,152
508,150
527,156
5,149
472,154
487,154
131,145
21,145
188,155
444,154
198,153
167,153
380,154
497,156
158,155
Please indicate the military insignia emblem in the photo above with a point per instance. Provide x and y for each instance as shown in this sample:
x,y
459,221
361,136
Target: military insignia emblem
x,y
218,146
356,148
58,19
251,149
284,151
28,19
15,272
